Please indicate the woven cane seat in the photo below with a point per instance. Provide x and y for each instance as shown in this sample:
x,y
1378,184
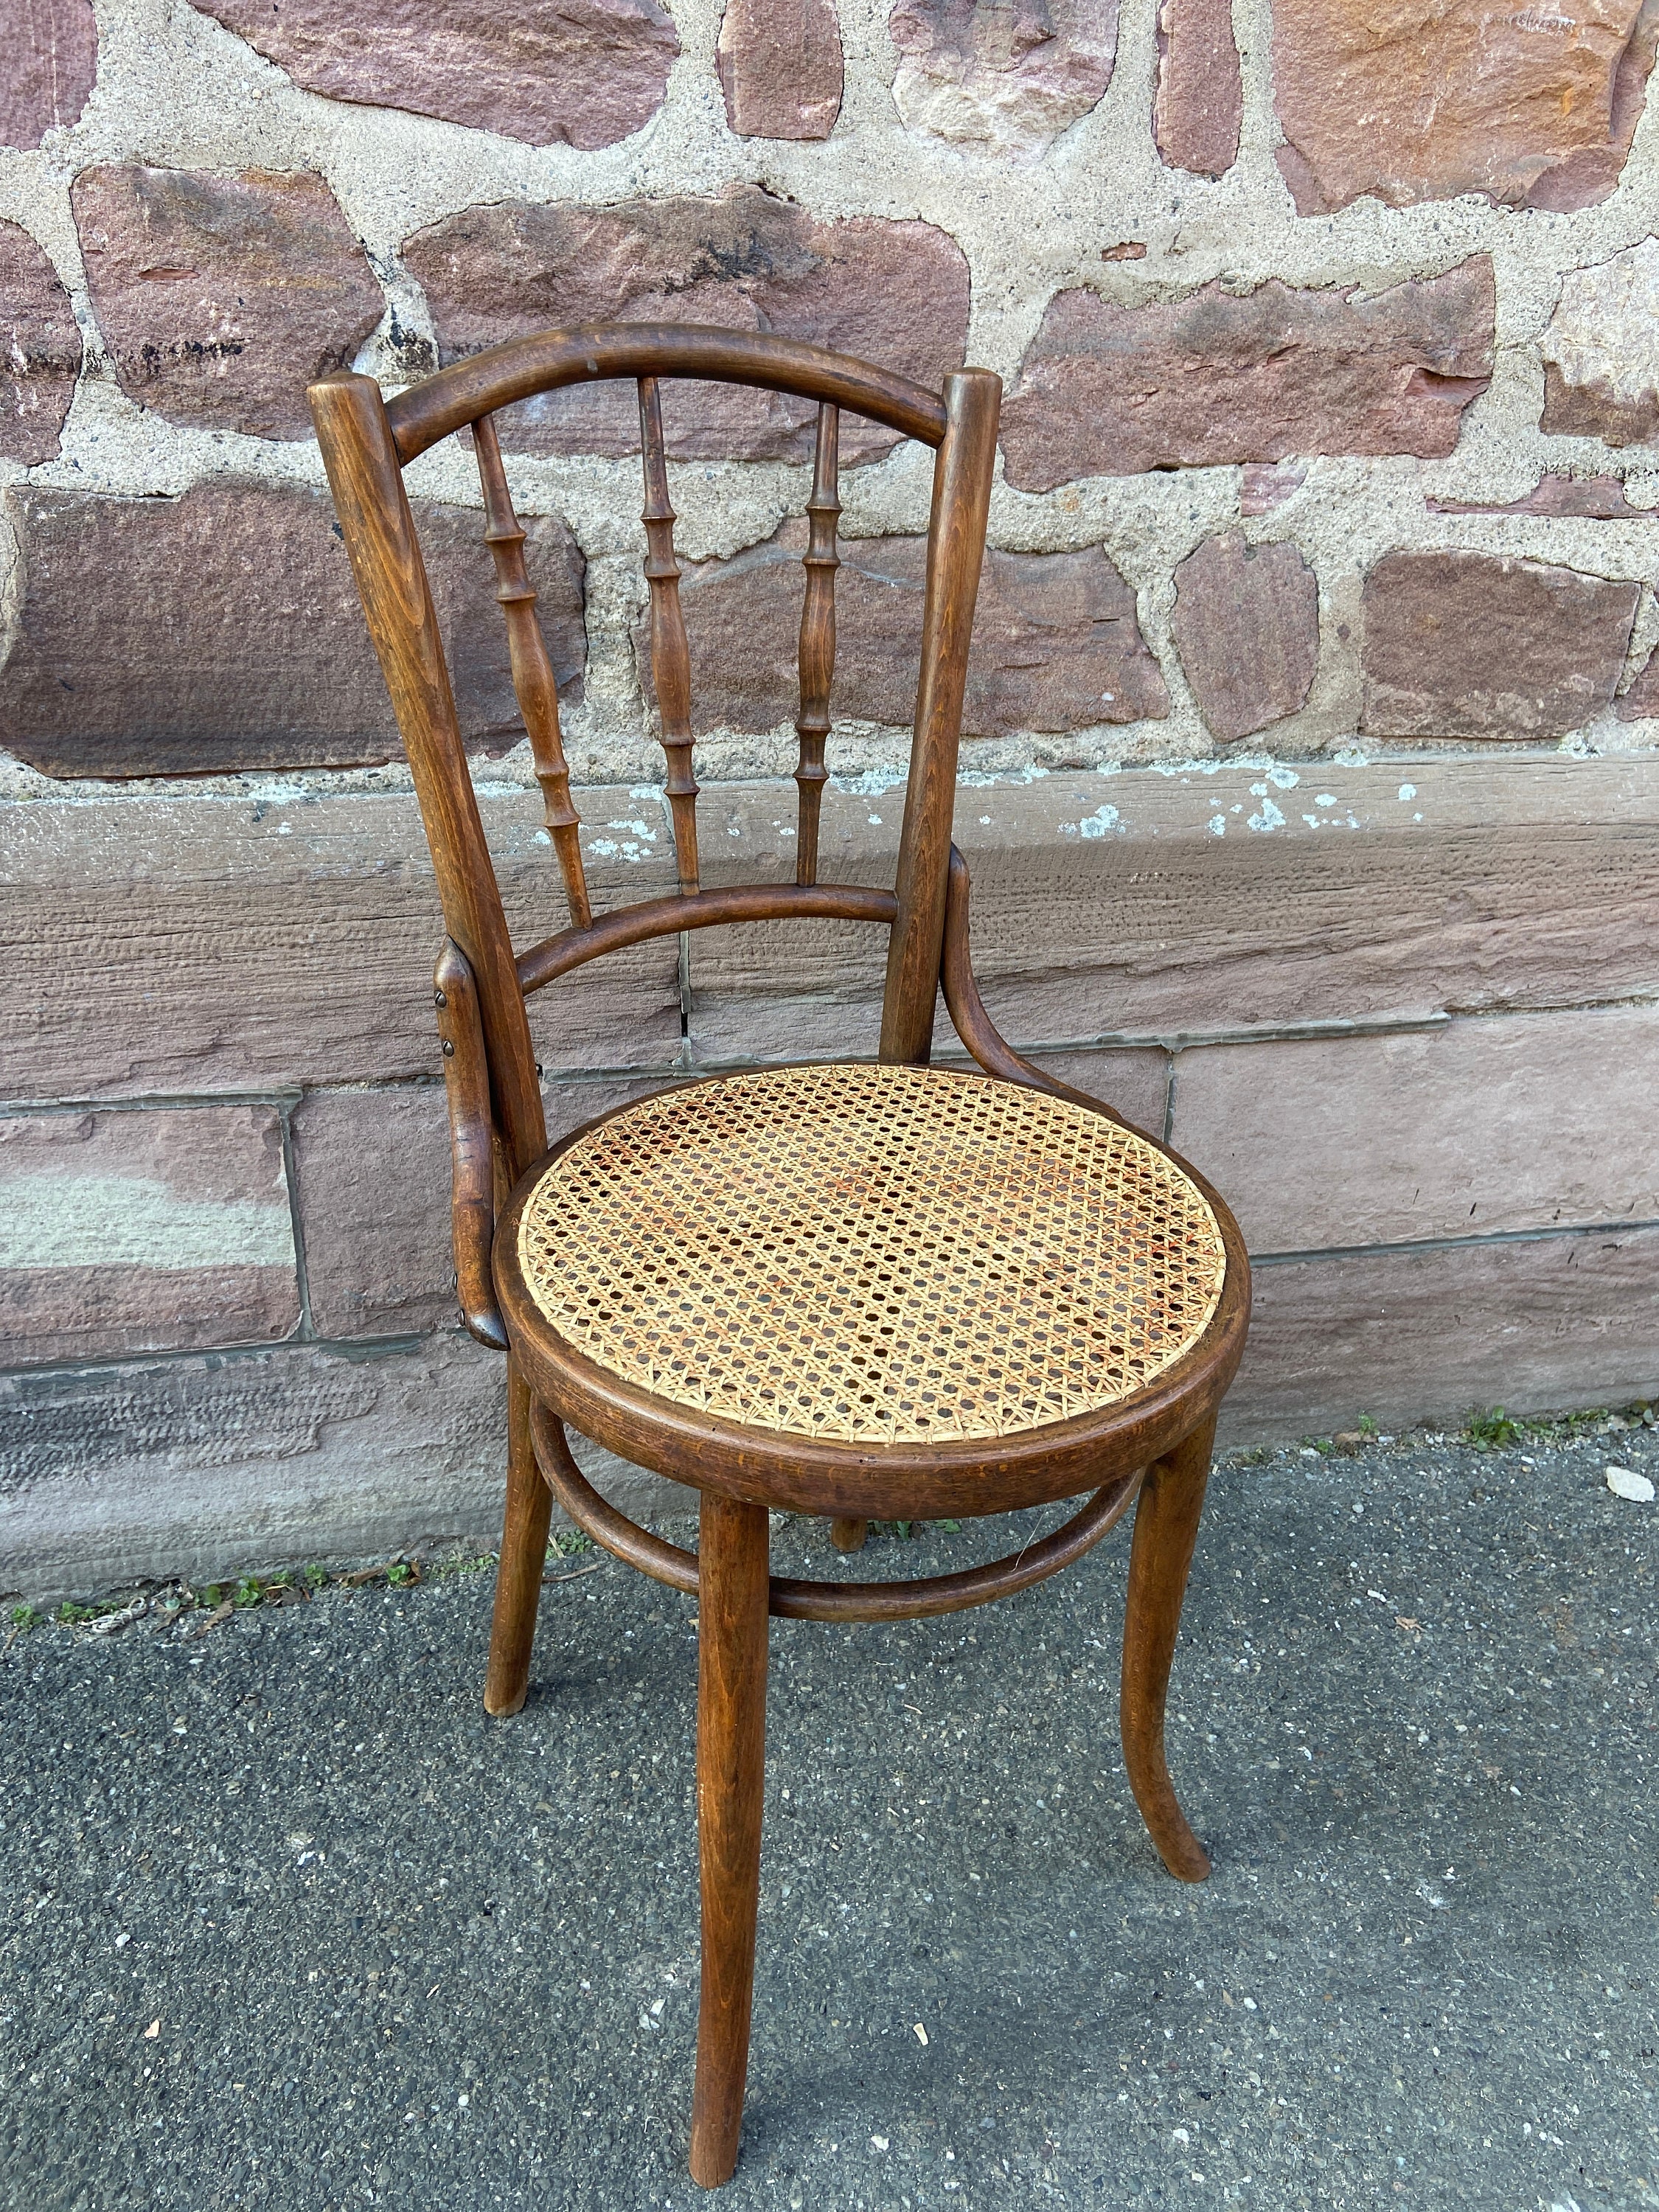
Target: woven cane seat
x,y
872,1255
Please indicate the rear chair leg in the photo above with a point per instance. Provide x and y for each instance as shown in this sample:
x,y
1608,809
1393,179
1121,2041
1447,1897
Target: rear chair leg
x,y
1166,1528
731,1622
849,1535
524,1557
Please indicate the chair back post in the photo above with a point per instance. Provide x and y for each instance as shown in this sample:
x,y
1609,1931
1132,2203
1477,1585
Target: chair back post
x,y
367,481
956,552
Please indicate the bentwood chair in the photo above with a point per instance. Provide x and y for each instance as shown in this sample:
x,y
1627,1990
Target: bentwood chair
x,y
886,1291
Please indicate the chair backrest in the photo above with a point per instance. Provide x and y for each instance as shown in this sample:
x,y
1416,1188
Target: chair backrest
x,y
367,442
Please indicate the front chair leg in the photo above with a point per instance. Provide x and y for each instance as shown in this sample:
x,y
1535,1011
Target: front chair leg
x,y
732,1590
1166,1528
524,1557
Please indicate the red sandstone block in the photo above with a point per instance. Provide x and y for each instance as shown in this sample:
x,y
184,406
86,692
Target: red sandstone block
x,y
781,68
47,66
553,72
1530,106
39,350
1479,645
226,632
162,1229
895,293
1220,377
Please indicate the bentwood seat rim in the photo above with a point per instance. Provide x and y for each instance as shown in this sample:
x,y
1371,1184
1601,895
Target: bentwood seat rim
x,y
958,1477
586,353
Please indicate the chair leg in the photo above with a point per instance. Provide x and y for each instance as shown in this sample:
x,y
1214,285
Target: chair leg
x,y
1166,1528
524,1557
732,1626
849,1535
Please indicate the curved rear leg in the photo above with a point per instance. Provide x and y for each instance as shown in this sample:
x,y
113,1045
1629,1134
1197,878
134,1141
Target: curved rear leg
x,y
1166,1528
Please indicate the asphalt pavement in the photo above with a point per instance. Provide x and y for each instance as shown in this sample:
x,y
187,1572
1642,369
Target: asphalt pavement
x,y
286,1922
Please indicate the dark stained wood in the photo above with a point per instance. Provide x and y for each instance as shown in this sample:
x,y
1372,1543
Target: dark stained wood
x,y
818,639
1154,1446
524,1556
471,1143
667,917
1166,1529
731,1636
547,360
967,1009
848,1534
670,655
368,485
962,496
924,1598
532,671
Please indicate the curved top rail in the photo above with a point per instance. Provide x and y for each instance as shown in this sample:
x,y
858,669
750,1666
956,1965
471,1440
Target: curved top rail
x,y
547,360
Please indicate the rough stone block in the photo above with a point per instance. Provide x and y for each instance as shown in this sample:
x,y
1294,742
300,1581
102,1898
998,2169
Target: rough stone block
x,y
1162,905
39,350
1482,1127
1246,624
50,60
1600,355
1056,644
153,1231
1158,904
1410,102
781,68
221,298
1221,377
1539,1325
1479,645
214,943
1199,107
226,632
1008,80
581,73
206,1468
372,1171
1593,499
895,293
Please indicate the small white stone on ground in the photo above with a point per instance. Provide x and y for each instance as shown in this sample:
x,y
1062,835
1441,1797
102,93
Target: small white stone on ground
x,y
1625,1482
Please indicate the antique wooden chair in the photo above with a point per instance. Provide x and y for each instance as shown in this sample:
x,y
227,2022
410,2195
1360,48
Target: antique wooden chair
x,y
885,1290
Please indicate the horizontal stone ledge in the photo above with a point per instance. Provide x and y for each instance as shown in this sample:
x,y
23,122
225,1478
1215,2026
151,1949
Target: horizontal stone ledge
x,y
1539,1324
1504,1123
204,1467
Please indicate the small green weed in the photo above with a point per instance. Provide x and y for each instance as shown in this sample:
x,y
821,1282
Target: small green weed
x,y
1491,1431
212,1595
316,1576
398,1572
71,1615
1366,1426
247,1592
24,1618
951,1528
565,1543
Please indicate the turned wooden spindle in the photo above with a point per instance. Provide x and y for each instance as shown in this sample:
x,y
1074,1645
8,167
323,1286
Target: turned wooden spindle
x,y
817,639
671,656
532,671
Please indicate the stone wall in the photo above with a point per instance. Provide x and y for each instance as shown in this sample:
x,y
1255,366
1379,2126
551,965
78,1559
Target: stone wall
x,y
1310,781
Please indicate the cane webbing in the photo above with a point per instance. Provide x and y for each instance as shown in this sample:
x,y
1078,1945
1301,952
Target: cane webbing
x,y
872,1255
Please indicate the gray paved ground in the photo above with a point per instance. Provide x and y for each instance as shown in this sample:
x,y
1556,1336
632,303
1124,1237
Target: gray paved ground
x,y
287,1922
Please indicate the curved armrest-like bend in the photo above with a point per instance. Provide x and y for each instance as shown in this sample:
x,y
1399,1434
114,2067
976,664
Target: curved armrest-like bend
x,y
972,1023
471,1143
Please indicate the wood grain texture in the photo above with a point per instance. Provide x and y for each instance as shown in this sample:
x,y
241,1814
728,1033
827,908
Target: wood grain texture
x,y
533,681
523,1558
1160,1558
818,639
731,1637
366,478
671,656
962,496
926,1598
547,360
471,1143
